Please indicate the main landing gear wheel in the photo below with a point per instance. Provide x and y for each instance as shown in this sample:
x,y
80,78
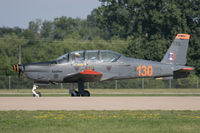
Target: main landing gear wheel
x,y
86,94
81,89
75,94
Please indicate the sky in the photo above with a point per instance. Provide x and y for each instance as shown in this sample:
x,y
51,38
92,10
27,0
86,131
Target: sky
x,y
21,12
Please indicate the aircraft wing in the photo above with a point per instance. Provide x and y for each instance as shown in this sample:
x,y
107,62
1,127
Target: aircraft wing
x,y
86,76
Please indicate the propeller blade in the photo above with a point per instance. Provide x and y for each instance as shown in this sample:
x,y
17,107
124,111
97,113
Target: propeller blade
x,y
18,68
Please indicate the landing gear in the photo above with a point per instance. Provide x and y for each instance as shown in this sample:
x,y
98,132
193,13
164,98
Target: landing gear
x,y
72,91
86,93
81,90
36,94
75,94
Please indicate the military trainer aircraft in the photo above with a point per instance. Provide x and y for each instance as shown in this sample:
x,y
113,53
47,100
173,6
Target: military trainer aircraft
x,y
100,65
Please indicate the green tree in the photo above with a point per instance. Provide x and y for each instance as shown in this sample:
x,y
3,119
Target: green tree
x,y
47,29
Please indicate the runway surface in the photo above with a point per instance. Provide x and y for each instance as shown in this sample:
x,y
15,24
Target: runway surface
x,y
100,103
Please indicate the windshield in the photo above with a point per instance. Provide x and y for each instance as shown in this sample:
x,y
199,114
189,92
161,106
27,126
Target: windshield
x,y
109,56
63,59
92,55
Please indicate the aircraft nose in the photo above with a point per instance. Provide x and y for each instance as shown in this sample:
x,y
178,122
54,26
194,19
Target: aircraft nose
x,y
18,68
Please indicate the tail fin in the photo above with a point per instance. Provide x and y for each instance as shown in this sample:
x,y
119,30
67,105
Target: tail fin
x,y
177,52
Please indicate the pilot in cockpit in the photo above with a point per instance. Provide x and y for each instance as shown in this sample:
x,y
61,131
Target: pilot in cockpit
x,y
76,57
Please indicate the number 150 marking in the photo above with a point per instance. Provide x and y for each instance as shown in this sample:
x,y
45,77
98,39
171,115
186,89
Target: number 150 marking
x,y
145,70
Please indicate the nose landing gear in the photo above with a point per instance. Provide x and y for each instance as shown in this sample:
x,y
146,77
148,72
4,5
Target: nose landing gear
x,y
35,93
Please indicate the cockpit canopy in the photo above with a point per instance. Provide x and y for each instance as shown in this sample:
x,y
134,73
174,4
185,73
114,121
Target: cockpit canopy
x,y
89,56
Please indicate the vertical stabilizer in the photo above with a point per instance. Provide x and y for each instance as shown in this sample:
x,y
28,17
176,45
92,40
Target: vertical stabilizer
x,y
177,52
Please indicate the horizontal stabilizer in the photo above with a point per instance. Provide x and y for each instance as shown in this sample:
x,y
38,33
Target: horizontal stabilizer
x,y
183,72
164,78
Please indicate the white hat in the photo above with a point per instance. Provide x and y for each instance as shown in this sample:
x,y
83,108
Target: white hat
x,y
76,54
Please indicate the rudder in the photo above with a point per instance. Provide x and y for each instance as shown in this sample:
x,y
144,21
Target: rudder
x,y
177,52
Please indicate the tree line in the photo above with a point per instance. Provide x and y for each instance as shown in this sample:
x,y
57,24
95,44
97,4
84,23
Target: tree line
x,y
135,28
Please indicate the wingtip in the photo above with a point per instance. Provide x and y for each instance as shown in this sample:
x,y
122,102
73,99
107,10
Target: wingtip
x,y
182,36
188,69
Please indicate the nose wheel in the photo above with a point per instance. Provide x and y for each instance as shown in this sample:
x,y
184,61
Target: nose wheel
x,y
38,93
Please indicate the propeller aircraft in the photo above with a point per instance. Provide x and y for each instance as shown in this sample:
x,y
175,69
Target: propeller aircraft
x,y
100,65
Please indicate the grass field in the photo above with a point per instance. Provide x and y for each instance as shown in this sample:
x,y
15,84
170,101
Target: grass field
x,y
100,121
105,92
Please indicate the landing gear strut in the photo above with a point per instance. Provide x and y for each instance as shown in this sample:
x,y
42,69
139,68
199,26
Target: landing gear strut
x,y
81,90
72,91
35,94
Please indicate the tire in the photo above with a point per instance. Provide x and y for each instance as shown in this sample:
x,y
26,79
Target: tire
x,y
38,94
86,93
76,94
